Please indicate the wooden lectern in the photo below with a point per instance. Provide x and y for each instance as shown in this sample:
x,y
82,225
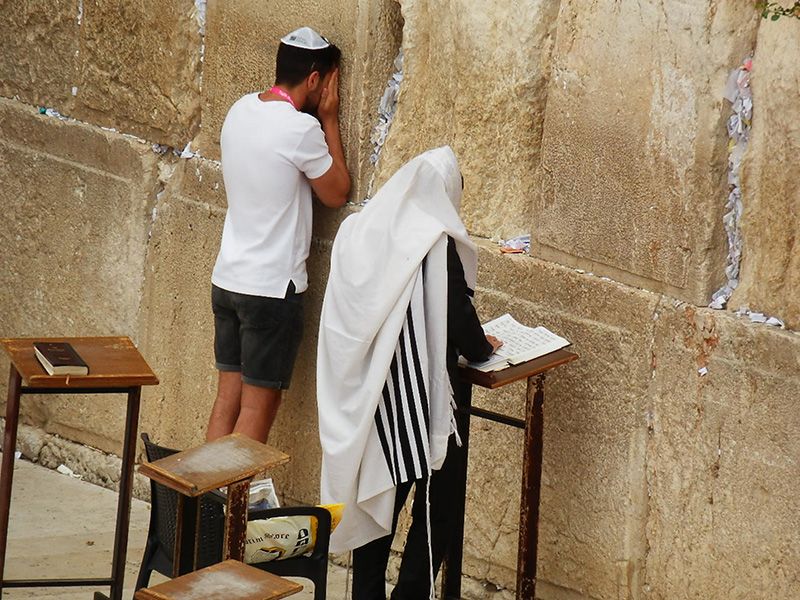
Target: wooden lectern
x,y
534,371
115,367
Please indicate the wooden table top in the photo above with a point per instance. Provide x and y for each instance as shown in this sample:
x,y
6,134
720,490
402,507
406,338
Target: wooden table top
x,y
113,362
214,464
228,580
537,366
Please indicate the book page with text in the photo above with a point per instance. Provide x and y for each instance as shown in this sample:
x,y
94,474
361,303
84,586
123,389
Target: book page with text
x,y
520,343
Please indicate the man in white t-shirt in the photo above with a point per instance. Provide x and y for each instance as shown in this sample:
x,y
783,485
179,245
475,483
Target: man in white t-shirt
x,y
274,153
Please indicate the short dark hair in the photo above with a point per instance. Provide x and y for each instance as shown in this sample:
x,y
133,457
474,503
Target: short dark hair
x,y
294,64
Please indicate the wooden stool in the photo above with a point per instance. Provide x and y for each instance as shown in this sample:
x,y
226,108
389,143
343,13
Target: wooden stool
x,y
233,461
229,580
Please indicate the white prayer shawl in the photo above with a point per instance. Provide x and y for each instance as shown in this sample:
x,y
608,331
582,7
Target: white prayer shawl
x,y
376,272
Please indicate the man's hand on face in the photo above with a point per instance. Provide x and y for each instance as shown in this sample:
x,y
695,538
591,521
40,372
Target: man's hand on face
x,y
328,109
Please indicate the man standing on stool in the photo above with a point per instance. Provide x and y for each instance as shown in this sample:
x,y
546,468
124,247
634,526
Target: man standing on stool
x,y
273,154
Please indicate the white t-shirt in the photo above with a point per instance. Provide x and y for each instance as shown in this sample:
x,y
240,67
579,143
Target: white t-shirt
x,y
269,151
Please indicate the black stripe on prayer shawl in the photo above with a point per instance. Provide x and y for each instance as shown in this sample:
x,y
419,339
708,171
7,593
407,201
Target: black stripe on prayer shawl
x,y
386,410
423,395
387,452
402,428
413,402
403,398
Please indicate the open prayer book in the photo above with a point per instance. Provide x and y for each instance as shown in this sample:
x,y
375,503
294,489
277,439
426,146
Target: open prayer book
x,y
520,344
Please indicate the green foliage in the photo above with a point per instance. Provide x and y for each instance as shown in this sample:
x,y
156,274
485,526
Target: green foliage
x,y
774,11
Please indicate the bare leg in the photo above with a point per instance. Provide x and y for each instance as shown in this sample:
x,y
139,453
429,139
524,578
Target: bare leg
x,y
258,409
226,406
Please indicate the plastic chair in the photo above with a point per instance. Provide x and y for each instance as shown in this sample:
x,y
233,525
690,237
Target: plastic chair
x,y
161,534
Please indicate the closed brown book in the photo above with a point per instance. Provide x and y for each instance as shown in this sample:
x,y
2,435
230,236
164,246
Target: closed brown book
x,y
60,358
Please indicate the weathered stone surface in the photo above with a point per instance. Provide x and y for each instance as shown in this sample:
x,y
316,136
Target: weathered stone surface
x,y
76,216
378,39
199,181
491,526
89,464
30,441
722,459
131,66
475,79
243,38
140,68
177,324
83,147
770,270
296,430
632,179
38,48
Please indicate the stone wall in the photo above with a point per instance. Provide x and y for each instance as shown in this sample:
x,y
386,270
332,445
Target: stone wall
x,y
632,171
670,459
770,269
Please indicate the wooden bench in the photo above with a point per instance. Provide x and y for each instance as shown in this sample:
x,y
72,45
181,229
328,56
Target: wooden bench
x,y
228,580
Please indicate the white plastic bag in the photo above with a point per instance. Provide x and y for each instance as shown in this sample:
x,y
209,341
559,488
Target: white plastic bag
x,y
279,538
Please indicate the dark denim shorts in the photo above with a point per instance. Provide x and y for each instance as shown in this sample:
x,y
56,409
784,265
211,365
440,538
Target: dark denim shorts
x,y
258,336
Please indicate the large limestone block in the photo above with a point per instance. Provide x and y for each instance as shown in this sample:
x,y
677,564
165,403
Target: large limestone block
x,y
475,78
296,429
77,204
140,68
770,270
177,323
241,43
378,40
593,493
134,66
722,459
38,47
632,179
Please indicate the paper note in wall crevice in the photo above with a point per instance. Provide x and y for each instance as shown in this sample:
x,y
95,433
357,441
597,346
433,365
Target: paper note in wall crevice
x,y
520,343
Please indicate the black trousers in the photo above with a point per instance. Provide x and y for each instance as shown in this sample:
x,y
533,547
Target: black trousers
x,y
414,580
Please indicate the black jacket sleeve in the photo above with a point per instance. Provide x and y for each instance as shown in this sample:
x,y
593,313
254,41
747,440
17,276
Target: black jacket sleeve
x,y
464,332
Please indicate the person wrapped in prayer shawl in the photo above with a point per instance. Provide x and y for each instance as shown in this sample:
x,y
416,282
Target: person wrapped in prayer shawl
x,y
397,313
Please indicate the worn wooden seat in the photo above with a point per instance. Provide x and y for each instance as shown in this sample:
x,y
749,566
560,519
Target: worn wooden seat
x,y
229,580
232,461
212,465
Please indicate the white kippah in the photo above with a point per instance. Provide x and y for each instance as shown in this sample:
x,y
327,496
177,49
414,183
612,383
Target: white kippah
x,y
307,38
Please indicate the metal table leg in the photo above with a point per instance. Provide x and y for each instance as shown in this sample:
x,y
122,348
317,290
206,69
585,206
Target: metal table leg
x,y
531,490
125,493
7,474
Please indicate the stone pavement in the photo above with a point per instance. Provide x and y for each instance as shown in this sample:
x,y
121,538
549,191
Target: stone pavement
x,y
64,527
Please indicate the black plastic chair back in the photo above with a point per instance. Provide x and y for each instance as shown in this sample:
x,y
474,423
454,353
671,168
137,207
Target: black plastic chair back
x,y
160,548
